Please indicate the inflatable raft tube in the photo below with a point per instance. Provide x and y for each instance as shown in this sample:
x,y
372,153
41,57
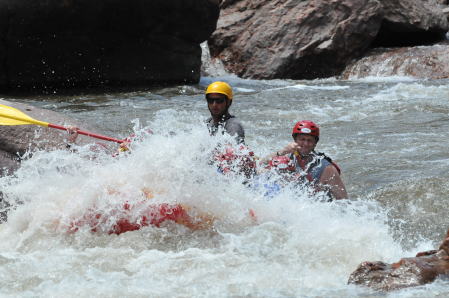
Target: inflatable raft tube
x,y
132,219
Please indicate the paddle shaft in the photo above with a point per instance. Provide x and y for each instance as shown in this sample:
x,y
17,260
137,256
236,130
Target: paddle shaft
x,y
86,133
12,116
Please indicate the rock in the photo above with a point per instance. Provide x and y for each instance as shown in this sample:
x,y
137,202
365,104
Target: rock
x,y
266,39
420,62
408,272
211,67
58,44
412,26
16,140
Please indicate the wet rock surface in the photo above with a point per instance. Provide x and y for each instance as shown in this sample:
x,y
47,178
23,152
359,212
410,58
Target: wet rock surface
x,y
408,272
312,39
60,44
421,62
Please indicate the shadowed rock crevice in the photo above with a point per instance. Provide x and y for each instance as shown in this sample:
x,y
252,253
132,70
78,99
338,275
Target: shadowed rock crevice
x,y
396,35
4,20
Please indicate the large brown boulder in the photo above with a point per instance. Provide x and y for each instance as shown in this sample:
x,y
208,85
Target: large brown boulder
x,y
16,140
408,272
46,45
267,39
421,62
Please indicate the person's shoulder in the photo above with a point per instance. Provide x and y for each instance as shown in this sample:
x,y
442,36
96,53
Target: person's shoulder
x,y
331,167
234,124
234,121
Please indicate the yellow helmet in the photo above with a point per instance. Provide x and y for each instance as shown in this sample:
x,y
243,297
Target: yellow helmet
x,y
220,87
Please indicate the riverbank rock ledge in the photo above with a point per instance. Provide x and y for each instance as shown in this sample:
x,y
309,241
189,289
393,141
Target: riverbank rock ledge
x,y
46,45
408,272
425,62
268,39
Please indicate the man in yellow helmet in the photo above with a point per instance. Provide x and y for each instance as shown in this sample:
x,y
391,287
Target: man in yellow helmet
x,y
219,98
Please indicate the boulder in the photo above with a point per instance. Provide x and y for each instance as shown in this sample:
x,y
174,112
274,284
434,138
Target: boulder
x,y
430,62
408,272
266,39
59,44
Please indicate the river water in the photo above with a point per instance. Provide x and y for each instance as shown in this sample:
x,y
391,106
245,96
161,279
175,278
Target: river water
x,y
389,135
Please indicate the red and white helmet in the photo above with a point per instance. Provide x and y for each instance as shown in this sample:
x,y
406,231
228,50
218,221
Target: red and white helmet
x,y
306,127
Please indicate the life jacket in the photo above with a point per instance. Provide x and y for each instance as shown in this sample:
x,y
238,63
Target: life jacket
x,y
228,124
213,128
311,172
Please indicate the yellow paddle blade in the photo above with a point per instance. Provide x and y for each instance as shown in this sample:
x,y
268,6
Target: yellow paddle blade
x,y
12,116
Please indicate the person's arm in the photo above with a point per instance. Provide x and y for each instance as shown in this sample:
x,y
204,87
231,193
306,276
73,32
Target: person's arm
x,y
73,135
332,179
289,149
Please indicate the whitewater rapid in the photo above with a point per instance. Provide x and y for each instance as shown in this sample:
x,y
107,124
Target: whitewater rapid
x,y
389,136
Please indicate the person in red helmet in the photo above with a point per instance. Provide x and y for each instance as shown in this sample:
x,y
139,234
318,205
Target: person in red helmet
x,y
312,167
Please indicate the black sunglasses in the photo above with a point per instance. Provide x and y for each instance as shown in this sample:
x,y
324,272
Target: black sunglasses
x,y
217,100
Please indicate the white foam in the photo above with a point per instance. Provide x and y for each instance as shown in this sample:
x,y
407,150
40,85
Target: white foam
x,y
380,79
304,243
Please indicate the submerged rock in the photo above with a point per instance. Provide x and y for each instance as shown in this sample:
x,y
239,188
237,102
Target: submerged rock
x,y
430,62
310,39
408,272
60,44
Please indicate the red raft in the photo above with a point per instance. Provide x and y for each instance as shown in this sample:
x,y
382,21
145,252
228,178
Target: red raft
x,y
133,218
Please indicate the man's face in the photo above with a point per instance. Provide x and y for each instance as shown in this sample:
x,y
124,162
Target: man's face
x,y
217,104
306,142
